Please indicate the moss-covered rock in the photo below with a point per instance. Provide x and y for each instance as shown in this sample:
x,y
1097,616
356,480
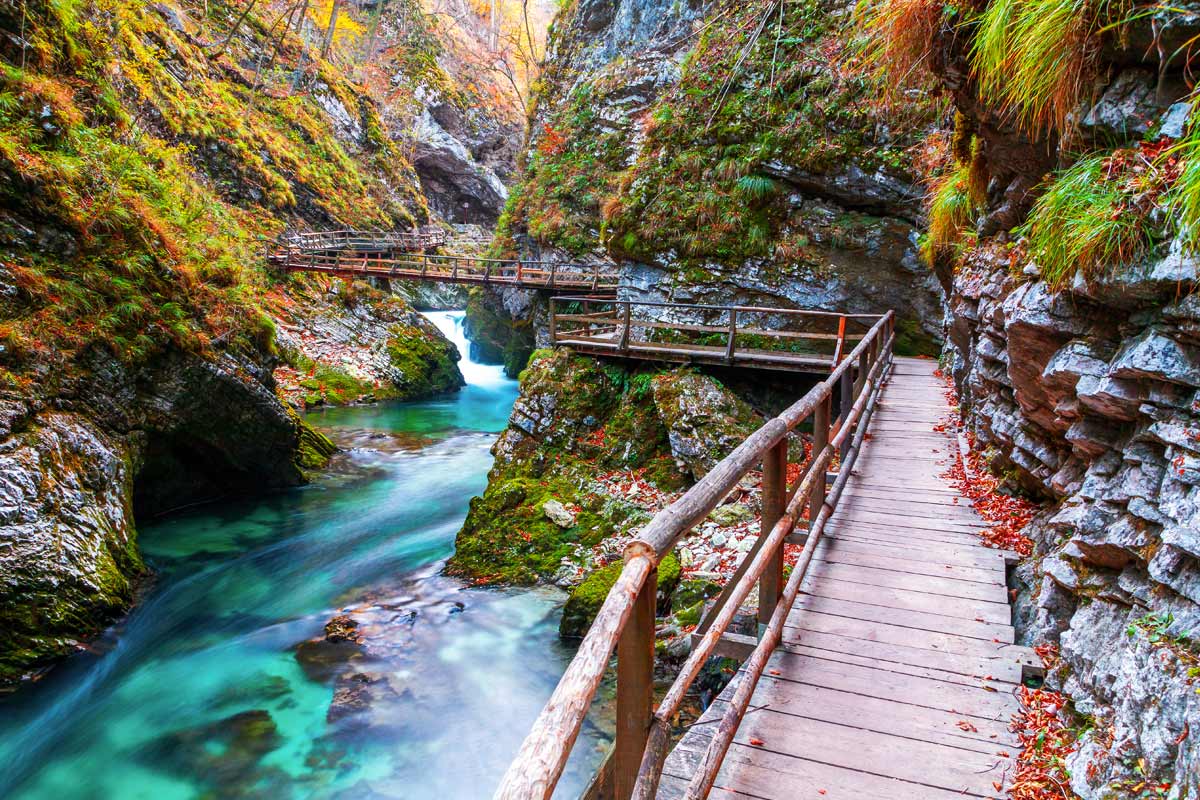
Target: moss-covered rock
x,y
585,601
498,337
576,420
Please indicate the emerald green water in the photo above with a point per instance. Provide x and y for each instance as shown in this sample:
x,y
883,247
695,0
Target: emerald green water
x,y
199,693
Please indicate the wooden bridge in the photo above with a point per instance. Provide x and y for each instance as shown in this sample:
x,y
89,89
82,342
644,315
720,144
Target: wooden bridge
x,y
740,336
412,241
404,255
884,667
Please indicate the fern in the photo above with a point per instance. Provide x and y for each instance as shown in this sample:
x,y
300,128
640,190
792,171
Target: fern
x,y
758,187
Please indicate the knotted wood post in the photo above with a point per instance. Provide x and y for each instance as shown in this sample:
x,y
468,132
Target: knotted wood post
x,y
774,501
635,689
729,347
553,326
820,441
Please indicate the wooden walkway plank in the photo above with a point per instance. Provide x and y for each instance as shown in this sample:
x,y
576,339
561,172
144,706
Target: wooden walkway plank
x,y
896,675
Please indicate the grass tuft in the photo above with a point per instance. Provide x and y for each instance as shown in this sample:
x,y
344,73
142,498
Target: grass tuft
x,y
1037,58
1087,221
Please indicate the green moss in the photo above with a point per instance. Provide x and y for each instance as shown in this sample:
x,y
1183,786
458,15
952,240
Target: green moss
x,y
314,449
427,363
585,600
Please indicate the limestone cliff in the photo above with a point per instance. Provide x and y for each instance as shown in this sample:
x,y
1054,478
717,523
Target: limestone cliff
x,y
149,156
724,155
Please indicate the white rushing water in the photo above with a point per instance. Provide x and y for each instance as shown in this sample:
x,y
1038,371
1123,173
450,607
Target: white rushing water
x,y
485,376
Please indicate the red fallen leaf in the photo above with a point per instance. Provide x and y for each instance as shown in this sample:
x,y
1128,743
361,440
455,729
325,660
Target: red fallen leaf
x,y
997,785
1182,735
820,791
756,742
773,672
966,726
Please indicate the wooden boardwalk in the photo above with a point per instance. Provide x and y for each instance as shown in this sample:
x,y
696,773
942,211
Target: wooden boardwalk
x,y
896,673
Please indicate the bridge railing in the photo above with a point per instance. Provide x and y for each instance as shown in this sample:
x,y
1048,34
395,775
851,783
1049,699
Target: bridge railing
x,y
451,268
626,620
731,335
365,241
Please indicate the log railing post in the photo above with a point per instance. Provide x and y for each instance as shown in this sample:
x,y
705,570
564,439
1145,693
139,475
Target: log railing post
x,y
635,689
820,440
729,346
845,401
553,325
625,329
587,324
553,270
774,501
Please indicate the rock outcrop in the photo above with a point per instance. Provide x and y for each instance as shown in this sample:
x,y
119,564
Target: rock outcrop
x,y
780,183
113,444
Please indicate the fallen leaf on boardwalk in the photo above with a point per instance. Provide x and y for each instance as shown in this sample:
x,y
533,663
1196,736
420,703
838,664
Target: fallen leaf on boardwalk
x,y
966,726
756,742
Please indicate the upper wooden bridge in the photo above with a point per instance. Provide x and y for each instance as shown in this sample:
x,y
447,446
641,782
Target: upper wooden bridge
x,y
404,255
884,666
792,340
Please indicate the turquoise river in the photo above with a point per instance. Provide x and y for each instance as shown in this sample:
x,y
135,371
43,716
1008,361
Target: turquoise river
x,y
199,692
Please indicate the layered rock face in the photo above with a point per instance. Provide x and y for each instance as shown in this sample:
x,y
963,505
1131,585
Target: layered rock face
x,y
1085,393
1096,407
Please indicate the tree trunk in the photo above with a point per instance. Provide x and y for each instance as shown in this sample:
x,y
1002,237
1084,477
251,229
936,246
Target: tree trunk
x,y
333,16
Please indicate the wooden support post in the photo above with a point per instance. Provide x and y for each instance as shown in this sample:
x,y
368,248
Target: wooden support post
x,y
553,326
635,688
553,270
625,330
864,366
845,401
587,325
820,440
774,501
729,347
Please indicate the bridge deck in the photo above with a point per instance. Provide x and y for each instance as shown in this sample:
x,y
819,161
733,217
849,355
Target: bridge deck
x,y
896,676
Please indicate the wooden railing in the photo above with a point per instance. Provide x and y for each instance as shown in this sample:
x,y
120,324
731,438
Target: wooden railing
x,y
365,241
626,619
775,338
448,268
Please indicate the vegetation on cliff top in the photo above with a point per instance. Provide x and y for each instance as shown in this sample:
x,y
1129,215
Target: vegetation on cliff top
x,y
147,163
757,92
1035,62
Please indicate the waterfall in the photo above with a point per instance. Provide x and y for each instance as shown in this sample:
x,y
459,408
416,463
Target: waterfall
x,y
485,376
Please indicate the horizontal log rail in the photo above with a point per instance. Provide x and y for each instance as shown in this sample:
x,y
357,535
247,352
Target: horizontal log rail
x,y
365,241
600,279
625,621
774,338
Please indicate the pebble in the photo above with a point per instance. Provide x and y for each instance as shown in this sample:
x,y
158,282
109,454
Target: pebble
x,y
719,539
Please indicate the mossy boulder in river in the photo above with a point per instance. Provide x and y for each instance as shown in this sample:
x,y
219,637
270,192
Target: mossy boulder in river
x,y
585,601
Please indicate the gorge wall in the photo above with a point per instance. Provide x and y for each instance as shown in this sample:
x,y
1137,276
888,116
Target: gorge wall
x,y
723,155
149,359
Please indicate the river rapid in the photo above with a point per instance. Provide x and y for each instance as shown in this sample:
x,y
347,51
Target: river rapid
x,y
198,693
